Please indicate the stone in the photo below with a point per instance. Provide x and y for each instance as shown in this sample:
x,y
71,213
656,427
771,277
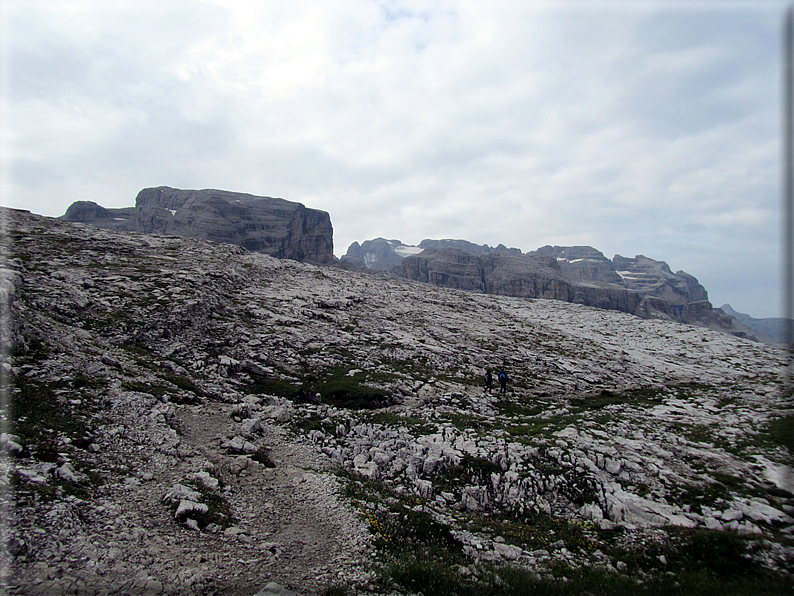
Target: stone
x,y
731,515
205,478
274,589
712,524
181,492
508,551
187,507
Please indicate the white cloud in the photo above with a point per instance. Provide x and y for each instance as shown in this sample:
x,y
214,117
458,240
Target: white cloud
x,y
635,127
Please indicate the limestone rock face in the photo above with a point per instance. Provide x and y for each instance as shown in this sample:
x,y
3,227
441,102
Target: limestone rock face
x,y
90,212
378,254
383,255
276,227
582,263
530,275
654,278
469,247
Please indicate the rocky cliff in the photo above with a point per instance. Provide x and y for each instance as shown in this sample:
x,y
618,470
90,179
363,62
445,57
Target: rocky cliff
x,y
581,280
469,247
580,274
384,255
167,437
378,254
276,227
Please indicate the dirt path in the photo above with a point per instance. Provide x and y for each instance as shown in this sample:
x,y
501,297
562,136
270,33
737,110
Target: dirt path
x,y
291,526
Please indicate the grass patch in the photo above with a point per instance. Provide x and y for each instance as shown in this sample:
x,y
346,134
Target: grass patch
x,y
416,426
338,388
471,471
466,421
155,390
184,383
541,427
39,417
647,396
780,432
270,386
513,408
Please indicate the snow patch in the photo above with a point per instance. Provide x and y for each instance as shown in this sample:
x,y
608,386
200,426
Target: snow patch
x,y
405,250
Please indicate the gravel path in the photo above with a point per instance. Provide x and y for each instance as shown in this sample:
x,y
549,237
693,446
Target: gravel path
x,y
290,525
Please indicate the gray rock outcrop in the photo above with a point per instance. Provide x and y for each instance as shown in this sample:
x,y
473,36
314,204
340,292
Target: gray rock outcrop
x,y
280,228
469,247
579,274
530,275
378,254
654,278
384,255
582,263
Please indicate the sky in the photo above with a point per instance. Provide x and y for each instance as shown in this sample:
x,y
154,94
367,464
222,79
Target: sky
x,y
636,127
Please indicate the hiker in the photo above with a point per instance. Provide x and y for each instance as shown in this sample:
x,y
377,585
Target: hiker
x,y
503,381
488,380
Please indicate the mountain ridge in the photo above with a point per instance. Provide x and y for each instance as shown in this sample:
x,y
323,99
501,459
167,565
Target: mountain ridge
x,y
581,274
641,286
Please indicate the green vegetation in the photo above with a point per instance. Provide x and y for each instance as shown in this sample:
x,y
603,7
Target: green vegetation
x,y
171,387
416,553
416,426
154,389
40,418
343,390
48,427
464,421
471,471
780,432
270,386
647,396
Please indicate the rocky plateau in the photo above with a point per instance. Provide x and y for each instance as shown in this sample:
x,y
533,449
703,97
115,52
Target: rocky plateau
x,y
182,416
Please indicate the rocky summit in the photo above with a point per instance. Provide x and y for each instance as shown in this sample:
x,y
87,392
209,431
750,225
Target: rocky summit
x,y
277,227
190,417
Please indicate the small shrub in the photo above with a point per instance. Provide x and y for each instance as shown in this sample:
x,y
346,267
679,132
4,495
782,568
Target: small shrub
x,y
337,590
262,455
780,431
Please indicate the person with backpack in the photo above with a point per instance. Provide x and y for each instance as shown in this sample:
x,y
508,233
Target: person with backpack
x,y
503,381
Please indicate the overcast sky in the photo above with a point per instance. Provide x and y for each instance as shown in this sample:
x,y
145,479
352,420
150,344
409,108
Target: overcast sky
x,y
634,127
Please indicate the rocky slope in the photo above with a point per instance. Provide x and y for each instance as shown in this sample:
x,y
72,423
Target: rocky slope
x,y
276,227
194,418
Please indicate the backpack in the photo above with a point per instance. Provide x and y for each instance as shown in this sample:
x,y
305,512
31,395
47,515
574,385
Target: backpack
x,y
503,377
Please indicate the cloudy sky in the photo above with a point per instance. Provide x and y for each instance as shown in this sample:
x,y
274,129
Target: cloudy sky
x,y
635,127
